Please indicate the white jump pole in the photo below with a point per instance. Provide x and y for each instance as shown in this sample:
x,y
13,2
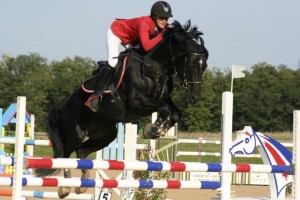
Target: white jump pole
x,y
130,155
153,142
227,113
296,154
19,148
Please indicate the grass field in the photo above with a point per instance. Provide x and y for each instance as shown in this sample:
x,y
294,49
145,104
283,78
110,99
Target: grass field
x,y
41,151
282,136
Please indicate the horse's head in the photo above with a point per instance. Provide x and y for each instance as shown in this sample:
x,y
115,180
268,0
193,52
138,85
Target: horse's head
x,y
189,57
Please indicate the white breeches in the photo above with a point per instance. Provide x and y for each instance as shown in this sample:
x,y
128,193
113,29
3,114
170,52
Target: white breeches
x,y
113,44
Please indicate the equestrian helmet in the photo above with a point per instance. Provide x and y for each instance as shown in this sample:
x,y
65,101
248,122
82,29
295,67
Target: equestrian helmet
x,y
161,9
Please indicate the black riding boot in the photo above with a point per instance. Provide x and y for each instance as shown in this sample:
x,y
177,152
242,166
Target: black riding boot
x,y
103,80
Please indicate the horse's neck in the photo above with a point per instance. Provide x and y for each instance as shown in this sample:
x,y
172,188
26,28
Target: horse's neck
x,y
160,57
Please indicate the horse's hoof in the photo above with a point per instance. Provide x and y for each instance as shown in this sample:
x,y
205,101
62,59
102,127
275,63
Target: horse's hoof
x,y
63,192
150,131
80,190
162,133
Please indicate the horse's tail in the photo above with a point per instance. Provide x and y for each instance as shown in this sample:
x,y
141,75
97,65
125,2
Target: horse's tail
x,y
55,136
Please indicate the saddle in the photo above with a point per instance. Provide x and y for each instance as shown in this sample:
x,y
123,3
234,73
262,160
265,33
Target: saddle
x,y
89,84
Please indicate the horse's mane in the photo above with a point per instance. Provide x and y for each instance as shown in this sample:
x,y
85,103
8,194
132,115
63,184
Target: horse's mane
x,y
183,32
180,33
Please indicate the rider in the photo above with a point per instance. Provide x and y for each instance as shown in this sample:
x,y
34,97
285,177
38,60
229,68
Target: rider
x,y
145,30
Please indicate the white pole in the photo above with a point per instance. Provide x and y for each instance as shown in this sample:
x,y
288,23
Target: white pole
x,y
97,177
296,154
130,154
19,148
227,110
130,141
153,142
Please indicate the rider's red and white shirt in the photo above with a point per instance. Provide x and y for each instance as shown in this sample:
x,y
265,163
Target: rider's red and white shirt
x,y
137,31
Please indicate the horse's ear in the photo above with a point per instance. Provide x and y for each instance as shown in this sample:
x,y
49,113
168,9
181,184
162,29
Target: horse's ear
x,y
187,25
202,41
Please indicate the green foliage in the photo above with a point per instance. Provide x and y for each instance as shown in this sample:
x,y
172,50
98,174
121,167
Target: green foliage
x,y
264,99
67,75
199,117
27,75
42,83
150,194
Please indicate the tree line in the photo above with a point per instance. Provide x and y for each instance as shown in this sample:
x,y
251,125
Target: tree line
x,y
264,99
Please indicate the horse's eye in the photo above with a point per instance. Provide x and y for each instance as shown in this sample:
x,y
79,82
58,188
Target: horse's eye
x,y
247,140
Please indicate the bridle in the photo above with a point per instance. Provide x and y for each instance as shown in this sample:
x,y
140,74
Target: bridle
x,y
174,58
184,82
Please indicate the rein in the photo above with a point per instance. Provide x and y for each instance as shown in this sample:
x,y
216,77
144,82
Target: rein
x,y
184,82
174,58
148,66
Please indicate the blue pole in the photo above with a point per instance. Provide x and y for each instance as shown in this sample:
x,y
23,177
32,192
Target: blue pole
x,y
121,133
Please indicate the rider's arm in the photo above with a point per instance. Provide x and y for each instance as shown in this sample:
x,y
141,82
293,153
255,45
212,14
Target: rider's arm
x,y
144,30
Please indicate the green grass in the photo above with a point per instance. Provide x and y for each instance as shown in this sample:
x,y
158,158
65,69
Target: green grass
x,y
42,151
284,137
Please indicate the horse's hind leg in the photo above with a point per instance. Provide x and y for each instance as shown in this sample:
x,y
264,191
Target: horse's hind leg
x,y
65,191
92,145
71,143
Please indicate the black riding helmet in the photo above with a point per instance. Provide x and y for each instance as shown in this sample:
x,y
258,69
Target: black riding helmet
x,y
161,9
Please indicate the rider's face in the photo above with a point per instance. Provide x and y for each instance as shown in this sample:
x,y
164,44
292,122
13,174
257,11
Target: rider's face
x,y
161,22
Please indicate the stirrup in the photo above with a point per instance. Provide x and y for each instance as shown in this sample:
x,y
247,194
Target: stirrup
x,y
94,102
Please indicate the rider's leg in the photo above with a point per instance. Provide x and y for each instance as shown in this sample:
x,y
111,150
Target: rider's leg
x,y
105,75
103,80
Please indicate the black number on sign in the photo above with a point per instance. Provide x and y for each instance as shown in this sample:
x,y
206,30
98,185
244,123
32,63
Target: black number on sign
x,y
105,196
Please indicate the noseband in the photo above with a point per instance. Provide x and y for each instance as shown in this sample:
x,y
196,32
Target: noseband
x,y
174,58
184,82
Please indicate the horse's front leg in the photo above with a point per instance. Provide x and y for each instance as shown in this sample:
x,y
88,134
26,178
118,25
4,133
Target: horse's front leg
x,y
167,117
175,115
65,191
153,131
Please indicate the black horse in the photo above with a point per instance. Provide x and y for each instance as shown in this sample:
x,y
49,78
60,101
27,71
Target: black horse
x,y
146,88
